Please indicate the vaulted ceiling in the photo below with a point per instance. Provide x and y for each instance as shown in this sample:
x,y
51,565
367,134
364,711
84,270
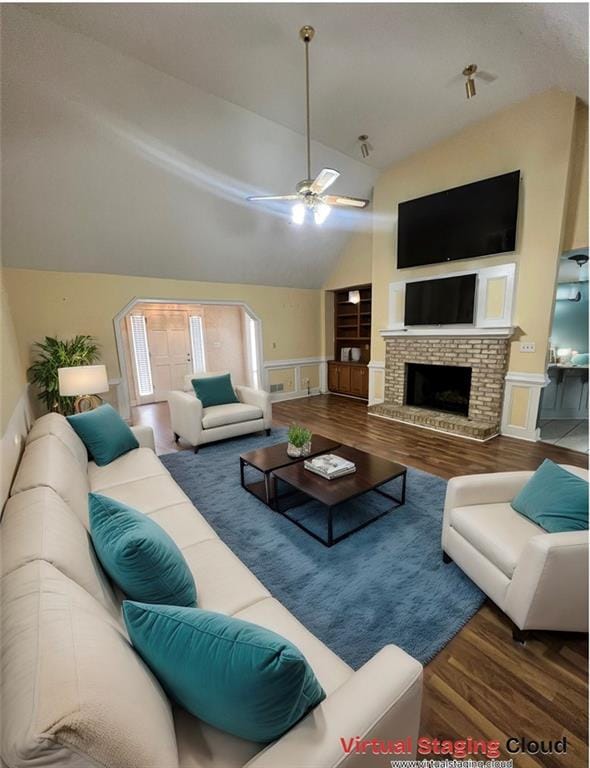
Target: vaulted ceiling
x,y
133,132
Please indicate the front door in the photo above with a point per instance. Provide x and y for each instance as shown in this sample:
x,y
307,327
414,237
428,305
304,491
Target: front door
x,y
170,351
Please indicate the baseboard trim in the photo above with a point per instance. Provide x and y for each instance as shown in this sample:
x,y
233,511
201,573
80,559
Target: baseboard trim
x,y
278,397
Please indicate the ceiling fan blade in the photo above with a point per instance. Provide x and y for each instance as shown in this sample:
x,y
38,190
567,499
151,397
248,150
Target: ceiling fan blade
x,y
323,180
487,77
274,197
345,202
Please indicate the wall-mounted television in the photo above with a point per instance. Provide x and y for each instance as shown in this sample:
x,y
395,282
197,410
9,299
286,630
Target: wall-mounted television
x,y
448,301
477,219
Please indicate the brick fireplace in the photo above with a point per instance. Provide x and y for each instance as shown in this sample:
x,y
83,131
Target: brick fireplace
x,y
464,399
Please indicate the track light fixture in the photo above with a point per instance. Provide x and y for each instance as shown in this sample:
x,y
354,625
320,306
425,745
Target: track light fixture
x,y
469,73
366,148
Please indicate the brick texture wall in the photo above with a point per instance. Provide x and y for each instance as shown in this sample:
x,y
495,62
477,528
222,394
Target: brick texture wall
x,y
486,356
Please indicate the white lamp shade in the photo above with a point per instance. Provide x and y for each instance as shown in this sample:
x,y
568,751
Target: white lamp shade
x,y
82,380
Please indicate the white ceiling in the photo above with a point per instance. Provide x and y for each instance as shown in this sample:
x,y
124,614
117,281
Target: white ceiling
x,y
388,70
132,133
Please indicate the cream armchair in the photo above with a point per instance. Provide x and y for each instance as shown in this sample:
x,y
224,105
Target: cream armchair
x,y
539,579
198,425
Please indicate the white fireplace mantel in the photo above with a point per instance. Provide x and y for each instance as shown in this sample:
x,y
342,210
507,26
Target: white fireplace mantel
x,y
503,332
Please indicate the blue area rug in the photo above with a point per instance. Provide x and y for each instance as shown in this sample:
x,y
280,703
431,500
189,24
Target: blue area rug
x,y
384,584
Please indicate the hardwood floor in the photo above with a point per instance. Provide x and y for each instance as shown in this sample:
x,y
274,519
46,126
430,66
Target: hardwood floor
x,y
481,684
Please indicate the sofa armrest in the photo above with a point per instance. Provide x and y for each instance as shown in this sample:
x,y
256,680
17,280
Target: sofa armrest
x,y
379,701
549,588
259,398
145,436
492,488
186,412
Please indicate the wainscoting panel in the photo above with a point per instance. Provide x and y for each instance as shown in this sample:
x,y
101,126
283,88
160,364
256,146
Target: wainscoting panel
x,y
522,395
300,377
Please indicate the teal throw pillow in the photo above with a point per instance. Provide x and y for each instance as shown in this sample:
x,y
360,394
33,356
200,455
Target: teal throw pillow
x,y
236,676
215,390
104,433
580,359
139,556
555,499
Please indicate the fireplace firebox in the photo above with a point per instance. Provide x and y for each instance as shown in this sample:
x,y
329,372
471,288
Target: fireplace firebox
x,y
438,387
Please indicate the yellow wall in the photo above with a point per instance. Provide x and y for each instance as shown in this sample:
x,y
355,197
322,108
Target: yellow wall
x,y
534,136
576,223
12,372
354,263
66,303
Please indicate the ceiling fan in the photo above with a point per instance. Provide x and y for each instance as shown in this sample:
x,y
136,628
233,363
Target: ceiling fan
x,y
470,72
310,194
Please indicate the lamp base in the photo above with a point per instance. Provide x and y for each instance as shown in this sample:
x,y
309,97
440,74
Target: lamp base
x,y
84,403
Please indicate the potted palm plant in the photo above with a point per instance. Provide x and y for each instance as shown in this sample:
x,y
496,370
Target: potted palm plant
x,y
299,441
57,353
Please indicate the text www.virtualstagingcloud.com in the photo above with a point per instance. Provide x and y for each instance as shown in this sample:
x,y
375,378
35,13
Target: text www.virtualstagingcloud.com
x,y
450,763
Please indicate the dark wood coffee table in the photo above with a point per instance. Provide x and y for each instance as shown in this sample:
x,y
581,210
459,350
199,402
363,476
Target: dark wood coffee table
x,y
371,473
267,460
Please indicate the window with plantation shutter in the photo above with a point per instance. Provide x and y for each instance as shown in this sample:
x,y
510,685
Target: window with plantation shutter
x,y
252,344
197,343
141,353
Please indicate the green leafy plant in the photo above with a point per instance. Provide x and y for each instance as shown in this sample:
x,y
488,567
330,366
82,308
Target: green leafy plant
x,y
298,436
54,354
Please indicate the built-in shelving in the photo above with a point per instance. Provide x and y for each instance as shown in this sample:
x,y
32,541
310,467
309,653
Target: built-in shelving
x,y
352,328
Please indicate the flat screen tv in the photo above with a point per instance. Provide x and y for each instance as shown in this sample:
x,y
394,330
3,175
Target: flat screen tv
x,y
477,219
447,301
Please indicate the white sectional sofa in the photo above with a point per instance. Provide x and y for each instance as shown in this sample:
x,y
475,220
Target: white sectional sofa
x,y
199,425
75,693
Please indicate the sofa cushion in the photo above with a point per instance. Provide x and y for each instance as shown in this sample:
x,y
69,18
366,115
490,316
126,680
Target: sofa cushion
x,y
74,691
329,669
237,676
147,494
57,425
184,524
135,465
104,433
215,390
200,745
139,555
234,413
46,462
225,584
555,499
39,525
497,531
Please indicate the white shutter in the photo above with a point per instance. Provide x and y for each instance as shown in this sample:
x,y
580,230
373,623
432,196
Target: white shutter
x,y
197,343
253,353
142,355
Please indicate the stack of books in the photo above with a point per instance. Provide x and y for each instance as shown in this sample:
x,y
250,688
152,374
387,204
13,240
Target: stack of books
x,y
330,466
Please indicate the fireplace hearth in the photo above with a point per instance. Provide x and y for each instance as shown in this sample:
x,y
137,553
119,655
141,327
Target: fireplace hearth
x,y
453,384
438,387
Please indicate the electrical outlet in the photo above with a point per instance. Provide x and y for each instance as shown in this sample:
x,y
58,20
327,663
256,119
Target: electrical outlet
x,y
527,346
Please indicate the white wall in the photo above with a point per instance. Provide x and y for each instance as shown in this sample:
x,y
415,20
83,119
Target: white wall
x,y
111,166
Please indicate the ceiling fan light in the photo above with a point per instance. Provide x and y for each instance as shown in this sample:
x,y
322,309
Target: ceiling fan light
x,y
470,88
321,213
298,213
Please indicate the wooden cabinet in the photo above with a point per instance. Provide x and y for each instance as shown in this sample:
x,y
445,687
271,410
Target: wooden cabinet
x,y
348,379
358,381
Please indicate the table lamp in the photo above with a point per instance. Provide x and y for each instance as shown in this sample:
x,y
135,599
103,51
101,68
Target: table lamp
x,y
84,382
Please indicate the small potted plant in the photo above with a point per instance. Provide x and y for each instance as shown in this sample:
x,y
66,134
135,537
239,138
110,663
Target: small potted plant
x,y
299,441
